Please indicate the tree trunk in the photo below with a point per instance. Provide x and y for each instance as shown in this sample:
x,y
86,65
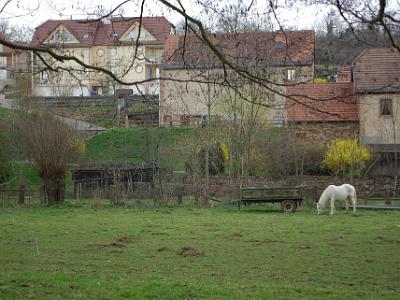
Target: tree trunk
x,y
55,189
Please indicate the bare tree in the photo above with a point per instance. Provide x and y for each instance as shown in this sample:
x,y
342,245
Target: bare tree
x,y
52,145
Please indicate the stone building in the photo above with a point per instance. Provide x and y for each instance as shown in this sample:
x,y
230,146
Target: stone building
x,y
321,113
199,86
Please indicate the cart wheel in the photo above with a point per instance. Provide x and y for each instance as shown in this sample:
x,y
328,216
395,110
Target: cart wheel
x,y
288,206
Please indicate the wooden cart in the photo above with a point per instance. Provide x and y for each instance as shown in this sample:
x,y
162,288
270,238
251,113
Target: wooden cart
x,y
289,197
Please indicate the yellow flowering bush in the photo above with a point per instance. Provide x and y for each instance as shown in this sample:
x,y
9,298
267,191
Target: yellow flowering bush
x,y
79,146
345,155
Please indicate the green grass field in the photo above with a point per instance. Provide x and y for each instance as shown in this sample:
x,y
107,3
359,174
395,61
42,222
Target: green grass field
x,y
194,253
140,144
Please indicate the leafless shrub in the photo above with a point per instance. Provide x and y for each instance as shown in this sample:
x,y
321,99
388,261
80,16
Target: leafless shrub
x,y
52,145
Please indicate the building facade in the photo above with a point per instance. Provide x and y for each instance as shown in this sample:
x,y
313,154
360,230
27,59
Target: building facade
x,y
376,76
131,48
197,86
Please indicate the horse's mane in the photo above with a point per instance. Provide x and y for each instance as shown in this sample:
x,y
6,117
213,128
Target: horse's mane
x,y
324,195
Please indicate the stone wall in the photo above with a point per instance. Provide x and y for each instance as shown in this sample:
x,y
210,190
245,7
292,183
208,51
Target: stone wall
x,y
229,188
324,132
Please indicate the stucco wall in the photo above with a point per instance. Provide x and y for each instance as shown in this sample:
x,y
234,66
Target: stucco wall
x,y
374,127
118,59
186,96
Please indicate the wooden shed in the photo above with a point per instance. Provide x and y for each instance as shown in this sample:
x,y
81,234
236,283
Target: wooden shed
x,y
102,178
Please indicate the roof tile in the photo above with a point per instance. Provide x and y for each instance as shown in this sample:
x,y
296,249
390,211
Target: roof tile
x,y
91,33
321,102
271,48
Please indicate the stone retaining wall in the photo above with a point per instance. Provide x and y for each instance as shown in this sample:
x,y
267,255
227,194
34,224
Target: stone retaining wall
x,y
221,186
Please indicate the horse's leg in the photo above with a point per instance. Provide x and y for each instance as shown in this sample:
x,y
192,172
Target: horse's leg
x,y
346,201
333,209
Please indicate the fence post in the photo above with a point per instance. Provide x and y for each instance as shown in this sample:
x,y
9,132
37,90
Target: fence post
x,y
388,200
21,194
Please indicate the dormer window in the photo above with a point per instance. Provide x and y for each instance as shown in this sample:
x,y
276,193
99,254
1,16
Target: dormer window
x,y
66,36
279,45
60,35
86,36
114,34
135,33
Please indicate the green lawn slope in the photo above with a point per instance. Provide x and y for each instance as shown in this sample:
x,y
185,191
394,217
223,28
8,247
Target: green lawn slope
x,y
164,146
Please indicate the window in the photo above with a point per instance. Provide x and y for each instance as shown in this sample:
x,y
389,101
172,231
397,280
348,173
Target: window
x,y
44,77
61,35
277,120
167,121
66,36
185,120
386,107
291,74
196,120
152,72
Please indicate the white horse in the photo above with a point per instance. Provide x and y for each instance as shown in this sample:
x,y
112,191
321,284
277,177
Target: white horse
x,y
333,193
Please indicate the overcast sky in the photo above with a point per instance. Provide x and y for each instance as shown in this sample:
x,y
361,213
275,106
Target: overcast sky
x,y
35,12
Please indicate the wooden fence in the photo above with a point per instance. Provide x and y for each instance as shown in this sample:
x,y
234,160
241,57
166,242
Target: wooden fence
x,y
22,195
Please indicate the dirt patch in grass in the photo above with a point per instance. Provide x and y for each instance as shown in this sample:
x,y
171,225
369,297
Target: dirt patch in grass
x,y
305,247
189,251
125,239
235,235
159,233
336,238
266,242
162,249
118,243
335,244
107,245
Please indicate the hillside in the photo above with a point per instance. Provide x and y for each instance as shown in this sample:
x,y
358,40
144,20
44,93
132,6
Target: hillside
x,y
140,144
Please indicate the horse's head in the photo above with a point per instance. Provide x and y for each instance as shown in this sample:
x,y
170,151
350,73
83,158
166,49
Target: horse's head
x,y
319,208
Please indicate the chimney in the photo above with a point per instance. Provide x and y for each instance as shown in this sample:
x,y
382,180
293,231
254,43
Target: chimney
x,y
344,75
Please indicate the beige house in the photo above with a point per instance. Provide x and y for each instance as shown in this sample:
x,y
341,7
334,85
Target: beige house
x,y
198,86
129,47
376,76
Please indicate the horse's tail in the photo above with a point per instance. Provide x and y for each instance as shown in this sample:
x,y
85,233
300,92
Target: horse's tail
x,y
355,194
324,195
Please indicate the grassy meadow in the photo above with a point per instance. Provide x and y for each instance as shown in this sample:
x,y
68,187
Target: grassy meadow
x,y
166,146
197,253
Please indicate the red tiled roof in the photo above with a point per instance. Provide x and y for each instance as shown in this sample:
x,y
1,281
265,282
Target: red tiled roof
x,y
261,48
322,102
100,33
377,70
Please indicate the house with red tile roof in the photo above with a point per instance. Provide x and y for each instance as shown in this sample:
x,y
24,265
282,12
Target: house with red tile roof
x,y
129,47
197,85
364,102
376,76
321,113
